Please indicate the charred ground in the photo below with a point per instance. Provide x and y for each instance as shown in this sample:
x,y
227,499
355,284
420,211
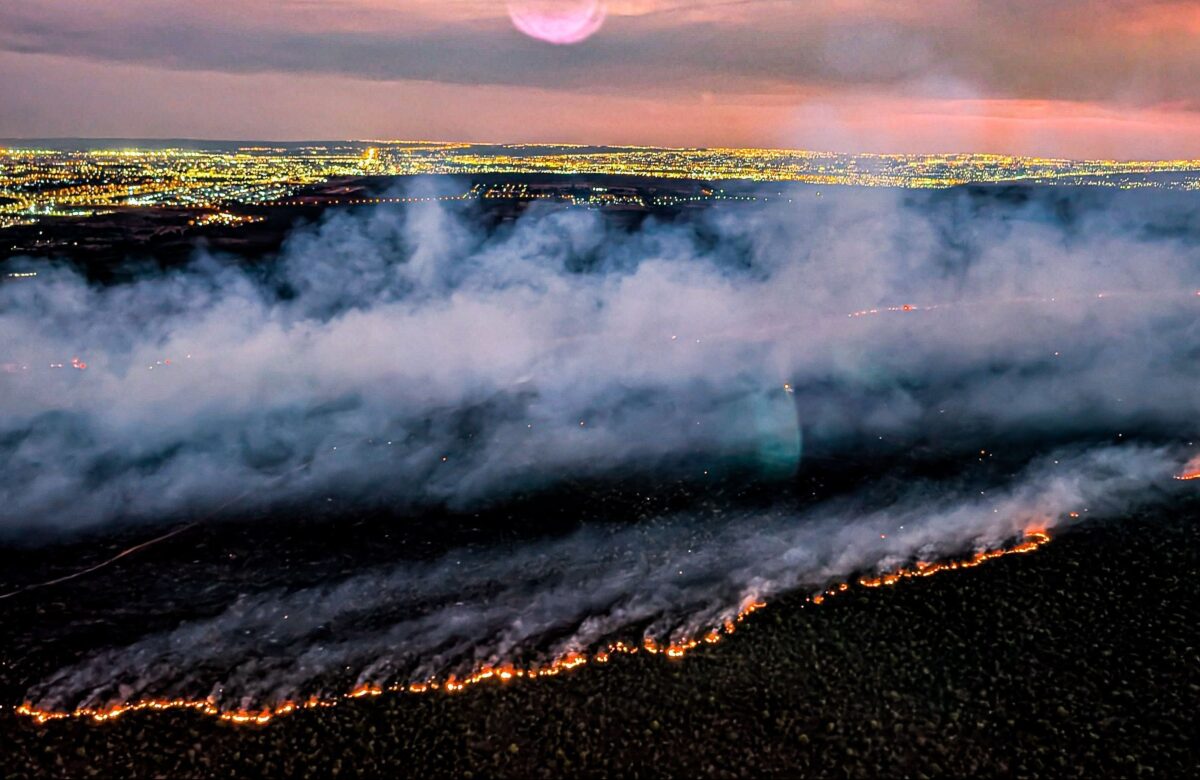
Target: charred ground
x,y
1079,660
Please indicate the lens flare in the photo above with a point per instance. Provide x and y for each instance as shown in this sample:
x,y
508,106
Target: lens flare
x,y
561,22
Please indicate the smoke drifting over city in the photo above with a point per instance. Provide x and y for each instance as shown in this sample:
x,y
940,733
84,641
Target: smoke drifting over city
x,y
415,359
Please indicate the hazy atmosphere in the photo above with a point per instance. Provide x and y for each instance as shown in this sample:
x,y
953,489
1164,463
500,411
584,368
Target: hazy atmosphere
x,y
1078,78
599,389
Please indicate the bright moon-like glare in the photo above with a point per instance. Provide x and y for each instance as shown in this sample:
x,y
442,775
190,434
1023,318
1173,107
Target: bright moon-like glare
x,y
559,22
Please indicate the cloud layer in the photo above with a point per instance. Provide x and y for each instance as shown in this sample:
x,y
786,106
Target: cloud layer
x,y
1137,52
699,64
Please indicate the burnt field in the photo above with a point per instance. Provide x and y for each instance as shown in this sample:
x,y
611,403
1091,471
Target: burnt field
x,y
1077,660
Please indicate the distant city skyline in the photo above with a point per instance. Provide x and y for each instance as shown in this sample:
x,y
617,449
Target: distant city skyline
x,y
1095,79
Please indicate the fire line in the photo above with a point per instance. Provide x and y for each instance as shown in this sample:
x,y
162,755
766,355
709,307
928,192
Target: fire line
x,y
504,673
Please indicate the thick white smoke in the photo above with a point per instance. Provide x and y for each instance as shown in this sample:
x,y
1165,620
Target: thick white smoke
x,y
413,357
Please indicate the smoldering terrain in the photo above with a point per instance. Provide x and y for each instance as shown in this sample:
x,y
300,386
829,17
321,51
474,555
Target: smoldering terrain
x,y
504,443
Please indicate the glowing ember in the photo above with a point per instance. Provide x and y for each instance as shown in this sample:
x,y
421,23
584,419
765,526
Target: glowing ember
x,y
1191,470
505,673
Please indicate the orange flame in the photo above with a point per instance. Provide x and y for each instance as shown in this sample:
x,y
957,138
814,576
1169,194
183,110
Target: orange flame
x,y
505,673
1033,540
1191,470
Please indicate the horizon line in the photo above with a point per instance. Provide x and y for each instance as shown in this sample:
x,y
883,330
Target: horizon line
x,y
5,143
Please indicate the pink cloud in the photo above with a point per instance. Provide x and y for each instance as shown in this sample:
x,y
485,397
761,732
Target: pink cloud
x,y
1071,78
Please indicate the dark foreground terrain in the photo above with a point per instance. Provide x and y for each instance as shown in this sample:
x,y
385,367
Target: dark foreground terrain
x,y
1079,660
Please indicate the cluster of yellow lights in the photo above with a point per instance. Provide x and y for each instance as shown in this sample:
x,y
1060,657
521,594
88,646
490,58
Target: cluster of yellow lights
x,y
225,219
504,673
48,182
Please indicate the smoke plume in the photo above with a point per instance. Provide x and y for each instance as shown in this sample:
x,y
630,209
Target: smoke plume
x,y
414,358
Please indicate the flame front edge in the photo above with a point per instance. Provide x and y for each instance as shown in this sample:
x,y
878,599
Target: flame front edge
x,y
505,673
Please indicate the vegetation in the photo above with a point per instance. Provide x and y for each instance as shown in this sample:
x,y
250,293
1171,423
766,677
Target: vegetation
x,y
1079,660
